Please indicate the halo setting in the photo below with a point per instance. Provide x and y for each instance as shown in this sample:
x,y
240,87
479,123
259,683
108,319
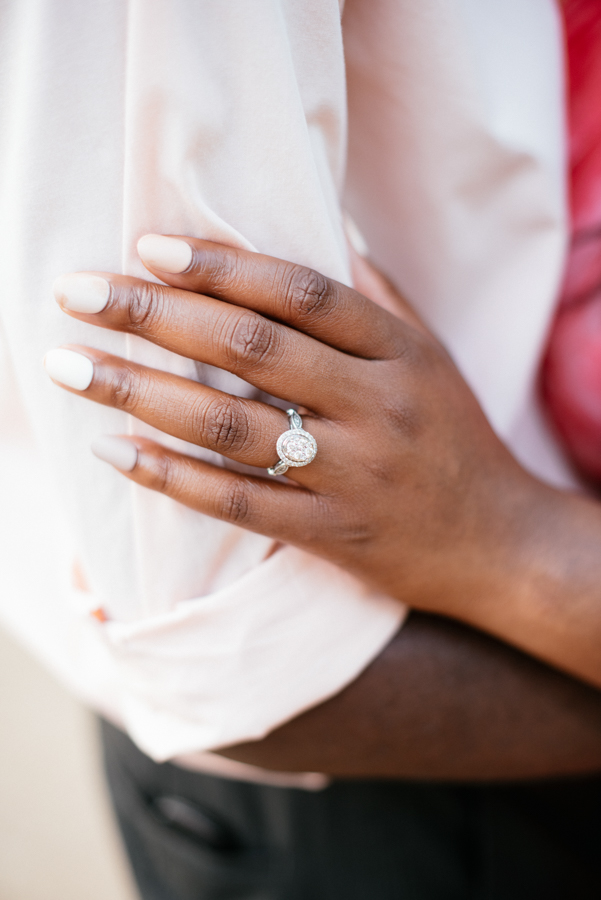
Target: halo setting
x,y
295,447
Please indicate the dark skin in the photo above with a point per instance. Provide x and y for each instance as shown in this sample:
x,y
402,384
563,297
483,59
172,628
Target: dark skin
x,y
443,702
479,539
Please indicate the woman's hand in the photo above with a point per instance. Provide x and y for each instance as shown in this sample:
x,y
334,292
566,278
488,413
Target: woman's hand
x,y
410,490
409,485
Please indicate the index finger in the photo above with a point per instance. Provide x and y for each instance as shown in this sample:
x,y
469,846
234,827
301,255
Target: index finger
x,y
303,298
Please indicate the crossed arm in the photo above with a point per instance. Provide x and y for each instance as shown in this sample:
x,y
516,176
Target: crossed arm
x,y
443,701
440,516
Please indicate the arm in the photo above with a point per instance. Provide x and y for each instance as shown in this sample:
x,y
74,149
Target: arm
x,y
411,491
443,702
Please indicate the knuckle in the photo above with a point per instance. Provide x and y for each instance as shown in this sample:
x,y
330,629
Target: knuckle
x,y
380,470
322,519
163,473
227,271
353,525
359,534
217,270
235,506
418,353
252,340
408,353
145,305
122,389
403,416
308,294
356,528
225,425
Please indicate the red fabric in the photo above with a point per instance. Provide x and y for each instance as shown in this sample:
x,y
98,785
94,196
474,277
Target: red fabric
x,y
571,374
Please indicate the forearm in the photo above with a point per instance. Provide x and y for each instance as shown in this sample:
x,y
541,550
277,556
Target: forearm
x,y
443,702
543,595
442,517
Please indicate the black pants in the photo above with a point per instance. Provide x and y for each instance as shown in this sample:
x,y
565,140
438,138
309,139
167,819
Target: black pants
x,y
196,837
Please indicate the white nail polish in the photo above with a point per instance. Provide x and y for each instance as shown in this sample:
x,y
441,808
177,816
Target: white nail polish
x,y
69,368
118,451
166,253
82,293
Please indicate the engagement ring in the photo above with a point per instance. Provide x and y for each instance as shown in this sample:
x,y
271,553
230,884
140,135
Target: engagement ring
x,y
295,447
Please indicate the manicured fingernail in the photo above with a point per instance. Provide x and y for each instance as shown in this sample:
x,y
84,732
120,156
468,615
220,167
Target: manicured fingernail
x,y
82,293
166,253
69,368
118,451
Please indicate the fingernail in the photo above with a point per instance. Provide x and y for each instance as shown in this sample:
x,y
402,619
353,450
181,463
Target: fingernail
x,y
166,253
118,451
69,368
82,293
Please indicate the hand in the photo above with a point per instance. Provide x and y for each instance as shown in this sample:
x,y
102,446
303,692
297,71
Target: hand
x,y
410,489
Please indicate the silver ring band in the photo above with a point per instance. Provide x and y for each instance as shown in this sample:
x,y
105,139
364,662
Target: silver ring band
x,y
295,447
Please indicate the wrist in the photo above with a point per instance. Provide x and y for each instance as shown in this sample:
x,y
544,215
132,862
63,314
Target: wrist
x,y
539,587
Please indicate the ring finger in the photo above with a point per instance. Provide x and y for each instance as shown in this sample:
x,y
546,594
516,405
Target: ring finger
x,y
243,430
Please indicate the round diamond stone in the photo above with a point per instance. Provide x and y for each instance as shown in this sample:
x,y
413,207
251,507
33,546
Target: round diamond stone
x,y
298,448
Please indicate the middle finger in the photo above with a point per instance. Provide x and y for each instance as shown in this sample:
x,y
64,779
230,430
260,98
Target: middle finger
x,y
273,357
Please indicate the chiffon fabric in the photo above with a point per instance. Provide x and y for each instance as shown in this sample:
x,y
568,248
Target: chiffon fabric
x,y
438,125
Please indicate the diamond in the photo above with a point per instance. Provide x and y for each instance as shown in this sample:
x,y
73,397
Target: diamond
x,y
297,447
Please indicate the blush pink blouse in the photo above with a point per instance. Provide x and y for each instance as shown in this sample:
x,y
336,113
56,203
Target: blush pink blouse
x,y
438,126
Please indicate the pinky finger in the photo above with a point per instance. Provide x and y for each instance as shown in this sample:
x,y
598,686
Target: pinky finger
x,y
282,511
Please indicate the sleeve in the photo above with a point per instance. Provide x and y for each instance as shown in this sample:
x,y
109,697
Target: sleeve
x,y
224,121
